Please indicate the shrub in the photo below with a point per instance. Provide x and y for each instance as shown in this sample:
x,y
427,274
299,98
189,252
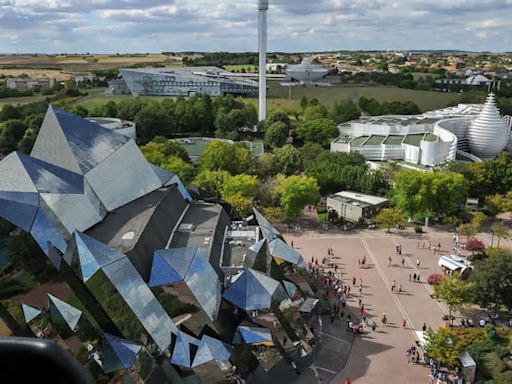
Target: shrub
x,y
434,278
492,365
418,229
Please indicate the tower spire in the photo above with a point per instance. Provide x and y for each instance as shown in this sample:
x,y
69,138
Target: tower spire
x,y
262,49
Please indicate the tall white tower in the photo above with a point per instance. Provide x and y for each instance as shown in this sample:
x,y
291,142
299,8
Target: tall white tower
x,y
262,49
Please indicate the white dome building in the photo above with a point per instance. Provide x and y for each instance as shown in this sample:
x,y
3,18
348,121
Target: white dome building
x,y
489,133
306,71
477,80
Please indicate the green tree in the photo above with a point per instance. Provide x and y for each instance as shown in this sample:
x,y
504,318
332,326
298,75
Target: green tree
x,y
321,131
296,193
287,160
244,185
315,111
180,167
478,220
453,291
444,345
311,153
389,217
491,280
500,202
304,103
500,231
345,110
242,204
12,132
429,194
10,112
278,116
152,121
212,182
276,135
219,155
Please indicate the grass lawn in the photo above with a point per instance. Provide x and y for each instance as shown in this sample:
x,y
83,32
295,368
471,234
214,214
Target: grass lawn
x,y
21,100
249,68
426,100
417,75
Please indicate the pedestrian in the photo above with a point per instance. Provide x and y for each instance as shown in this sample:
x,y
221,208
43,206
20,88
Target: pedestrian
x,y
389,261
414,277
417,262
417,356
384,319
291,243
354,280
410,277
284,341
439,246
404,323
359,262
393,285
403,262
294,366
360,302
360,282
374,326
362,309
424,327
434,249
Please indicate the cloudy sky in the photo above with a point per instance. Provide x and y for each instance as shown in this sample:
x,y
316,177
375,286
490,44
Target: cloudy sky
x,y
106,26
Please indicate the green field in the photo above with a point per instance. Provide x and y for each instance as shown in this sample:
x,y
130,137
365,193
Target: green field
x,y
426,100
278,96
249,68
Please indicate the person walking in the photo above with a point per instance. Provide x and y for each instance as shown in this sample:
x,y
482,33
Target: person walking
x,y
418,262
404,323
362,309
424,327
403,262
393,285
374,326
400,288
291,243
384,319
414,277
389,261
354,280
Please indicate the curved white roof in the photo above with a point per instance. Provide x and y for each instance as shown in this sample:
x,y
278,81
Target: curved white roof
x,y
476,80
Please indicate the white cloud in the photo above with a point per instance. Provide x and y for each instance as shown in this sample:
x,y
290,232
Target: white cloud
x,y
294,25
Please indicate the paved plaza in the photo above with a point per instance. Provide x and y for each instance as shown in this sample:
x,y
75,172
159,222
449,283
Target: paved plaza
x,y
377,357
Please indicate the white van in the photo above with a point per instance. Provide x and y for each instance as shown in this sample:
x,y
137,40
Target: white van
x,y
455,264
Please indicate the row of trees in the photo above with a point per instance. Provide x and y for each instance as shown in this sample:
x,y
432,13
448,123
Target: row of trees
x,y
374,108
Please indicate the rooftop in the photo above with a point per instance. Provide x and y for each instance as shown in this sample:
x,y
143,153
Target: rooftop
x,y
196,229
362,199
237,241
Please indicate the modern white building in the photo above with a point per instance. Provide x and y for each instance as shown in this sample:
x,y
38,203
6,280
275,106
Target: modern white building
x,y
354,206
468,132
306,71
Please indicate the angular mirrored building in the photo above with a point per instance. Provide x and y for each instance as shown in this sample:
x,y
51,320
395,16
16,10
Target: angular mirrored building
x,y
186,81
139,256
253,290
190,266
118,353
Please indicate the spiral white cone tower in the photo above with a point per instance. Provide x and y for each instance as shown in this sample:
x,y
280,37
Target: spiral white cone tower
x,y
488,134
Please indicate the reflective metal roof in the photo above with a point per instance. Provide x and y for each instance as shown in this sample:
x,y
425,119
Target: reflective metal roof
x,y
193,267
182,352
29,313
67,312
251,290
211,349
252,335
118,353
